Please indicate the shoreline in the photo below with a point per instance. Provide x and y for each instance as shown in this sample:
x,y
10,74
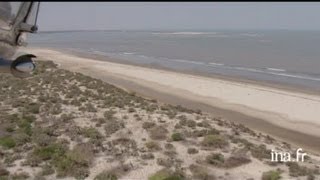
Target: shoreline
x,y
277,85
273,124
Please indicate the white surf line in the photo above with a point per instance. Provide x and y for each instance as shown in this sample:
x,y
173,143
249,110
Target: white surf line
x,y
276,69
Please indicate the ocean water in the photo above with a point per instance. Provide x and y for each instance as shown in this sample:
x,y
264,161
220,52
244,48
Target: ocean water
x,y
284,57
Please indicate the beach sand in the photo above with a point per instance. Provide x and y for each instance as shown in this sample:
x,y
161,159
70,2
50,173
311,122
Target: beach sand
x,y
287,115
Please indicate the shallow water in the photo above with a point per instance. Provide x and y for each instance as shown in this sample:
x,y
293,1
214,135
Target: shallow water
x,y
286,57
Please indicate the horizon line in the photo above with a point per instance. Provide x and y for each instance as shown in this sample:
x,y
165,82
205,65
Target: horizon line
x,y
221,29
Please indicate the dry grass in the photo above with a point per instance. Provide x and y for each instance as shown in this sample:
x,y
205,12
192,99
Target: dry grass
x,y
216,159
153,146
214,141
192,151
201,172
158,133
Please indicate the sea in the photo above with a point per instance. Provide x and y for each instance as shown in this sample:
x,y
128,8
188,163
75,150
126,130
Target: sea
x,y
274,56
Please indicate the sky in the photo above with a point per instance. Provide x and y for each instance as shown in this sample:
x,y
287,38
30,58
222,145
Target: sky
x,y
55,16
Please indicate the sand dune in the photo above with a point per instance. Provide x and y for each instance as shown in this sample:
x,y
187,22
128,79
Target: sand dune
x,y
292,110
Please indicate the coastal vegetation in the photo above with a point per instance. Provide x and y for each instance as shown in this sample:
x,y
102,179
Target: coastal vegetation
x,y
63,124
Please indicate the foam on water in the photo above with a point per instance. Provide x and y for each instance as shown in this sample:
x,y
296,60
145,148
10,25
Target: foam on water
x,y
248,69
100,52
216,64
251,34
297,76
188,61
276,69
184,33
128,53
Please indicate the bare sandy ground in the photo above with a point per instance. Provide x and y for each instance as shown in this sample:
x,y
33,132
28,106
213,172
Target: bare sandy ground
x,y
287,109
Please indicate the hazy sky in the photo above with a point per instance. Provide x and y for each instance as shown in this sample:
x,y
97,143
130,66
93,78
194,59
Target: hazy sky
x,y
179,15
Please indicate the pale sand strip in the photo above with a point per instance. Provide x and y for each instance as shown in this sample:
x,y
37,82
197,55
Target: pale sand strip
x,y
292,110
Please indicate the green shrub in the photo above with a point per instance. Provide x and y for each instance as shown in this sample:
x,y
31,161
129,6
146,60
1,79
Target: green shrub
x,y
271,175
49,152
25,126
21,138
166,174
106,175
75,163
177,137
7,142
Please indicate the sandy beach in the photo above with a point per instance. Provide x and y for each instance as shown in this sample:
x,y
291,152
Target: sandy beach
x,y
81,117
295,112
